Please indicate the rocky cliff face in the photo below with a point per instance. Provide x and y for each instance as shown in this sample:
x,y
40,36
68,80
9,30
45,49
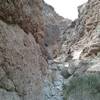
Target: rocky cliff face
x,y
26,14
54,27
22,65
29,35
79,59
90,40
87,28
82,45
32,33
83,34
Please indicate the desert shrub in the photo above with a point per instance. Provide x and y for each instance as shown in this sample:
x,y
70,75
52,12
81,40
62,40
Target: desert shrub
x,y
83,87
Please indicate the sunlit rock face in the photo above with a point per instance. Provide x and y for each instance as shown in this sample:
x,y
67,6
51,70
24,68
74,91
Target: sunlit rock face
x,y
83,33
22,64
83,69
90,41
70,36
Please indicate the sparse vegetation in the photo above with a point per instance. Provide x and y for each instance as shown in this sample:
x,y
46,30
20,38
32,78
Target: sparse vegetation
x,y
85,87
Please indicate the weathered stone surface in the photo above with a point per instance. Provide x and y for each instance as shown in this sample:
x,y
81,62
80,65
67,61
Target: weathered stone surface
x,y
30,33
22,51
53,83
82,43
89,19
22,66
54,27
84,33
28,15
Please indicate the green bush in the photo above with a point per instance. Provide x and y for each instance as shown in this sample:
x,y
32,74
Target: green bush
x,y
83,87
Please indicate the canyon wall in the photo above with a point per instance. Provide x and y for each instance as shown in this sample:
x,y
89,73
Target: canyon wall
x,y
54,25
22,54
79,58
83,33
44,56
82,49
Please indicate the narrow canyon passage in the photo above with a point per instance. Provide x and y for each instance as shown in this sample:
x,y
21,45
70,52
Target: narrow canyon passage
x,y
74,73
44,56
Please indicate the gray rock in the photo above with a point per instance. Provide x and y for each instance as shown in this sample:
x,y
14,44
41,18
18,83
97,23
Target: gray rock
x,y
5,95
65,73
22,65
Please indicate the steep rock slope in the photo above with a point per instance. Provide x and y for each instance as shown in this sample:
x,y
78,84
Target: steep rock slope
x,y
28,15
83,34
87,27
22,65
79,62
82,45
54,27
30,33
91,39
